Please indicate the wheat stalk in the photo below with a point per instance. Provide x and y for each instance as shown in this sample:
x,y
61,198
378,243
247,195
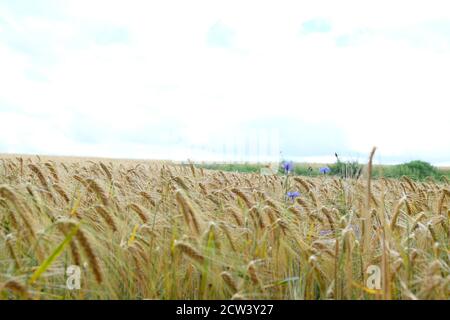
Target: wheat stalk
x,y
190,251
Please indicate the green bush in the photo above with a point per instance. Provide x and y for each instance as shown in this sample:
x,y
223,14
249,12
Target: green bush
x,y
346,169
233,167
415,169
302,170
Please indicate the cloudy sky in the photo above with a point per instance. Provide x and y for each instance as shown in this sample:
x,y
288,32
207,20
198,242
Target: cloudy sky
x,y
202,79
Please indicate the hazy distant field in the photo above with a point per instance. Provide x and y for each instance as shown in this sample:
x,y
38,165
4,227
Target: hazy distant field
x,y
312,170
155,230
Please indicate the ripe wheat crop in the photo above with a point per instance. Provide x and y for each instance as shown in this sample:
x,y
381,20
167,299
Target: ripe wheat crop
x,y
158,230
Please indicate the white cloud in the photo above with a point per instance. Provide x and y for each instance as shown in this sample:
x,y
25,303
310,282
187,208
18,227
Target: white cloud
x,y
378,88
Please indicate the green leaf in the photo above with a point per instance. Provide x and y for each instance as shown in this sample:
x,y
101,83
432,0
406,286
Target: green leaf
x,y
55,254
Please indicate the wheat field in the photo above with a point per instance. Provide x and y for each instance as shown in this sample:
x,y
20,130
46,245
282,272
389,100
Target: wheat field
x,y
158,230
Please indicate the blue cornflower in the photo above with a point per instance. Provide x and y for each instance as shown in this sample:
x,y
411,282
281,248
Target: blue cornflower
x,y
293,194
288,166
324,170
